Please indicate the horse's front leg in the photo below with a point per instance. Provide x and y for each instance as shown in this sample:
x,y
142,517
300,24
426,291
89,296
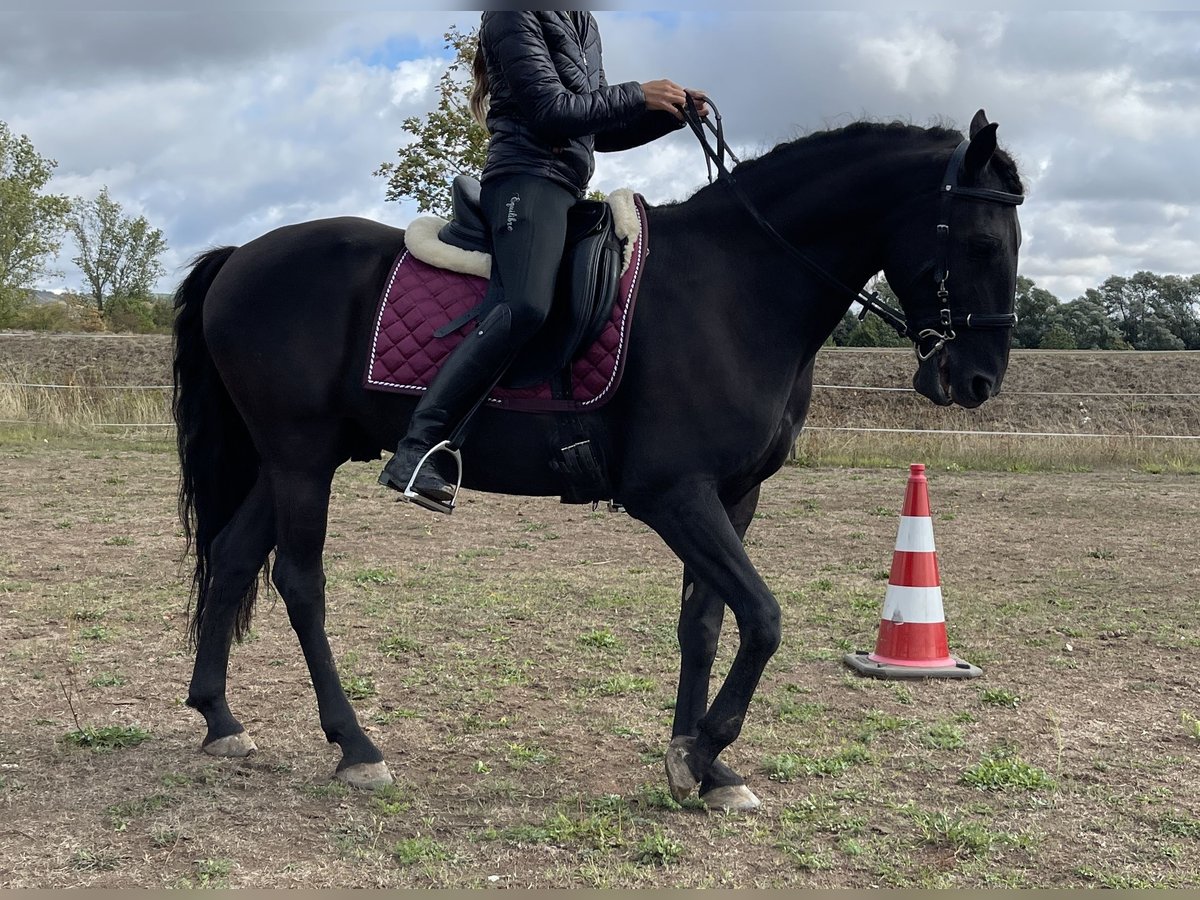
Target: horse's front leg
x,y
697,527
301,510
701,614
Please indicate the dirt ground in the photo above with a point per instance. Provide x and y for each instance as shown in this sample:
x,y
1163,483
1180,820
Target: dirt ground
x,y
516,664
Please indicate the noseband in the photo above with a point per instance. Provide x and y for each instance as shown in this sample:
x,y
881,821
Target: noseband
x,y
944,329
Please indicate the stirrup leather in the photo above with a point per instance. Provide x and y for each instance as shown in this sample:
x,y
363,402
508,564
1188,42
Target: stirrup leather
x,y
412,496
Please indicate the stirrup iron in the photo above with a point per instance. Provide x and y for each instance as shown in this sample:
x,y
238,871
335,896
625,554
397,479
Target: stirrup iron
x,y
439,506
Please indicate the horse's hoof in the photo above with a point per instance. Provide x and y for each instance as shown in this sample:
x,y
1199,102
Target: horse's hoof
x,y
731,798
233,746
365,776
679,773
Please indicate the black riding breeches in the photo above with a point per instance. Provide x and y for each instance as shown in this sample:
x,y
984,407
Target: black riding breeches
x,y
527,219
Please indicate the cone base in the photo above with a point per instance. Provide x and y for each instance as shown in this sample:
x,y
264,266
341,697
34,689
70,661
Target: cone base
x,y
864,665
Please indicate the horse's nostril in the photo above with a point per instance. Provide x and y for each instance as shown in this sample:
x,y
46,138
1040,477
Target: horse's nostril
x,y
982,386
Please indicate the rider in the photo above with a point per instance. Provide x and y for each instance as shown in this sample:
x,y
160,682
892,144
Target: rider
x,y
550,107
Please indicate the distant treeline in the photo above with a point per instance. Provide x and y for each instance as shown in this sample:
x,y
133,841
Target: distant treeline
x,y
77,313
1144,312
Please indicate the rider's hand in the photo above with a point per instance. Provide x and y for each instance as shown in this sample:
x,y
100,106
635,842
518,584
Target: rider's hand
x,y
698,97
666,96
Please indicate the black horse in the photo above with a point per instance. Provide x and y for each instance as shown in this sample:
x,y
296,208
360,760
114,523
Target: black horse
x,y
271,340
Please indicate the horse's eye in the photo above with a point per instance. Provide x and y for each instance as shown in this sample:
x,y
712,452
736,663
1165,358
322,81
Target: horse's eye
x,y
982,246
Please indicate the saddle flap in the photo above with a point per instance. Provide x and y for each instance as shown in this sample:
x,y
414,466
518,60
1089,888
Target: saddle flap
x,y
584,295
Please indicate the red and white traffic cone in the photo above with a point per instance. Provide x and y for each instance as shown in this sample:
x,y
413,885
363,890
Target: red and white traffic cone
x,y
912,630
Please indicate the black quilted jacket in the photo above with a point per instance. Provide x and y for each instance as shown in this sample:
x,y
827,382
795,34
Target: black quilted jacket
x,y
550,103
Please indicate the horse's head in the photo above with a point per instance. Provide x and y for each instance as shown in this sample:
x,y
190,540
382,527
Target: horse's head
x,y
953,265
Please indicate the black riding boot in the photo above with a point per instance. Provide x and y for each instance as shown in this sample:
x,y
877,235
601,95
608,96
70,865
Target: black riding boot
x,y
459,388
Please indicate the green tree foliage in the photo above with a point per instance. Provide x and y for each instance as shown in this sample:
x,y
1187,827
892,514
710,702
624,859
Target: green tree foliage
x,y
1057,337
873,331
1038,311
1087,321
118,255
31,221
445,142
1155,312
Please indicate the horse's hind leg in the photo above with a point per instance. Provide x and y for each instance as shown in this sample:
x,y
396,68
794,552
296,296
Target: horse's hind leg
x,y
701,614
238,554
302,508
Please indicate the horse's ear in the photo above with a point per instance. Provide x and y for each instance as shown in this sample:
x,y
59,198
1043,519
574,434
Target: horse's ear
x,y
983,145
978,122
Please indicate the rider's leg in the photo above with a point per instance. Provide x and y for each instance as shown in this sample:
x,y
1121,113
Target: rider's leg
x,y
527,217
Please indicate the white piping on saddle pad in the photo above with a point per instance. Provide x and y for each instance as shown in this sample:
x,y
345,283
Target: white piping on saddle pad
x,y
421,239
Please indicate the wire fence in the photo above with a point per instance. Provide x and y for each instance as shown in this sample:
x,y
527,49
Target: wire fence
x,y
828,387
1130,395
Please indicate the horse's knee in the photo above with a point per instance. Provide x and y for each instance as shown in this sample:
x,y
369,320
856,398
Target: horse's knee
x,y
764,632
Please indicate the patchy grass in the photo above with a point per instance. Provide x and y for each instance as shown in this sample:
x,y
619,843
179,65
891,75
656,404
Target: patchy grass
x,y
788,766
528,749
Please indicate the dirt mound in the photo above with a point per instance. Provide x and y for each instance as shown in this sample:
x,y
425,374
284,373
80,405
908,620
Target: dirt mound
x,y
1044,391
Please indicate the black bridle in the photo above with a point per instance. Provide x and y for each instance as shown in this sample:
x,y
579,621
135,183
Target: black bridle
x,y
940,331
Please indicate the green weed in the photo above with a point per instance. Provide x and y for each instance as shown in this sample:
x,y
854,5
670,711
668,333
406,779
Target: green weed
x,y
657,849
390,800
943,736
410,851
358,687
396,645
111,737
601,639
999,697
375,576
212,872
1001,771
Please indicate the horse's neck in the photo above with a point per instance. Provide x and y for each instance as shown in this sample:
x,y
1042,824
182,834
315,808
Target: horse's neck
x,y
830,203
837,195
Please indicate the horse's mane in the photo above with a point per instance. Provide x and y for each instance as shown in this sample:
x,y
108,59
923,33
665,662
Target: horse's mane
x,y
1002,163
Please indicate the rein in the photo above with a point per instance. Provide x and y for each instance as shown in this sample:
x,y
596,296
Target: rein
x,y
940,332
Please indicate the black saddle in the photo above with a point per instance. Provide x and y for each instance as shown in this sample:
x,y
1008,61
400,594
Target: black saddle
x,y
584,294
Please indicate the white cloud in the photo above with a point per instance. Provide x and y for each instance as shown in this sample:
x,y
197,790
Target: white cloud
x,y
912,60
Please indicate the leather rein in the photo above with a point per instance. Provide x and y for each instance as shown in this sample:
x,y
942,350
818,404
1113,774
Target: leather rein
x,y
939,332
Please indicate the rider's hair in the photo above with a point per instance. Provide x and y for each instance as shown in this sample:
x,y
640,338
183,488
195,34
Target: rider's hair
x,y
480,88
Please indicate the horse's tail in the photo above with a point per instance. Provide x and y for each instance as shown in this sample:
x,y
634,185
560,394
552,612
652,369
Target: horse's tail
x,y
217,460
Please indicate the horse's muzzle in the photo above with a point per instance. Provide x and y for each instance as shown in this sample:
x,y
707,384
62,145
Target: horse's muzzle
x,y
932,379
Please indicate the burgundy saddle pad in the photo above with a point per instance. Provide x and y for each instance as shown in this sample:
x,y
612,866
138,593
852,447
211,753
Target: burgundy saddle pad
x,y
420,298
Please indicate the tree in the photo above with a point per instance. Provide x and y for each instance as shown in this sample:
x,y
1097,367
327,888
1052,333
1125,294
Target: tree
x,y
1177,306
1037,313
1087,321
1154,312
872,331
31,221
446,142
1057,337
118,255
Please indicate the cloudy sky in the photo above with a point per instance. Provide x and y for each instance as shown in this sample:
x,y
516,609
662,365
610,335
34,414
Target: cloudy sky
x,y
220,125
